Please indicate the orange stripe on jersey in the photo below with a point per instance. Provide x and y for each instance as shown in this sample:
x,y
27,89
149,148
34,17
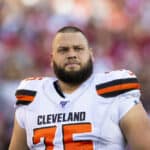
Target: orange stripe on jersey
x,y
119,88
25,96
116,87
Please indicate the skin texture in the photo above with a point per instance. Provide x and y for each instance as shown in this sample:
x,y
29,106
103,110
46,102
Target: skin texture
x,y
71,52
136,128
18,140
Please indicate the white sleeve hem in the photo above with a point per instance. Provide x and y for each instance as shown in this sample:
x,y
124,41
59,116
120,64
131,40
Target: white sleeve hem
x,y
20,116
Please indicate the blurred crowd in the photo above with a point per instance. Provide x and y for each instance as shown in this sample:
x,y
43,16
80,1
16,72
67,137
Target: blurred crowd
x,y
118,31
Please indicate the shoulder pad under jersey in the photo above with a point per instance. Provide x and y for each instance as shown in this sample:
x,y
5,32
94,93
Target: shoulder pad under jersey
x,y
27,90
114,83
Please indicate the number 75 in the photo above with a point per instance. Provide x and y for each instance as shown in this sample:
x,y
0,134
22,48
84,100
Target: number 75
x,y
48,133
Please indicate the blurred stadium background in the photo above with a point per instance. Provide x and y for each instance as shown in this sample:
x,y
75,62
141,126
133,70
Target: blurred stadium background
x,y
118,30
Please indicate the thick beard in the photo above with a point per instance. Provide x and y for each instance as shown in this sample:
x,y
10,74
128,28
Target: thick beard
x,y
74,77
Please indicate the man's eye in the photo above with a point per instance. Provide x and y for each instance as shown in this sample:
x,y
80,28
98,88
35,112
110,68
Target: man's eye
x,y
78,48
63,49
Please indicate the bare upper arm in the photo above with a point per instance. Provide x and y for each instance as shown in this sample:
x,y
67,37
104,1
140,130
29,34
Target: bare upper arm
x,y
136,128
18,139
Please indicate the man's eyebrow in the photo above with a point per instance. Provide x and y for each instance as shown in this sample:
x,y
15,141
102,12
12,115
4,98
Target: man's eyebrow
x,y
78,45
59,47
62,48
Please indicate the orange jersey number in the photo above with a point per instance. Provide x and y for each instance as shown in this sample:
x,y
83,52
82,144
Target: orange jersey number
x,y
47,133
68,130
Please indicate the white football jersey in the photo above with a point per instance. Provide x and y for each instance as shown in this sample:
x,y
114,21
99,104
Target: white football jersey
x,y
87,119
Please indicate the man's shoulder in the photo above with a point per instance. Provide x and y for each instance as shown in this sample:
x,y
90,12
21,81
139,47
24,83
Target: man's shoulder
x,y
115,82
28,88
31,82
114,74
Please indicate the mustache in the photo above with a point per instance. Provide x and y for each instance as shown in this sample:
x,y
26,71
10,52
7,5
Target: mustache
x,y
72,62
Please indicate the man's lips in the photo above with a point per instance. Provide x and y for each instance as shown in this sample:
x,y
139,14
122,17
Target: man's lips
x,y
72,64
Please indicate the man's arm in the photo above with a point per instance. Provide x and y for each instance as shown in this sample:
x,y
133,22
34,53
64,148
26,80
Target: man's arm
x,y
136,128
18,140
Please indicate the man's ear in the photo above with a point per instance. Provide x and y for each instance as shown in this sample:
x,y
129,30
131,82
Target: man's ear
x,y
51,60
91,53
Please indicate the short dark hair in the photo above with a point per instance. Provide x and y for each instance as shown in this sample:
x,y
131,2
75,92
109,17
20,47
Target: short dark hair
x,y
70,29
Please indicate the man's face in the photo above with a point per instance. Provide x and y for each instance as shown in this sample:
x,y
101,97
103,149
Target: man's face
x,y
72,60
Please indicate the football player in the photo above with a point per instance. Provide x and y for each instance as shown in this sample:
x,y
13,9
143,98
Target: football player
x,y
79,109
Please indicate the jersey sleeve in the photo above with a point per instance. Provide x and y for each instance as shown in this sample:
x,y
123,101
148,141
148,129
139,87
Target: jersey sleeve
x,y
128,94
123,87
26,92
19,114
131,95
117,83
126,101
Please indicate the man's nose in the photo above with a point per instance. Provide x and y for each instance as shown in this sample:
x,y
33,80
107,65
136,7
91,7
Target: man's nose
x,y
72,53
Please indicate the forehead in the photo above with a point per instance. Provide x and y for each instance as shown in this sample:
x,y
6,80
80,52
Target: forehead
x,y
69,39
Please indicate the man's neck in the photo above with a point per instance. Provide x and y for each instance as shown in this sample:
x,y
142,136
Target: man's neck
x,y
67,88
